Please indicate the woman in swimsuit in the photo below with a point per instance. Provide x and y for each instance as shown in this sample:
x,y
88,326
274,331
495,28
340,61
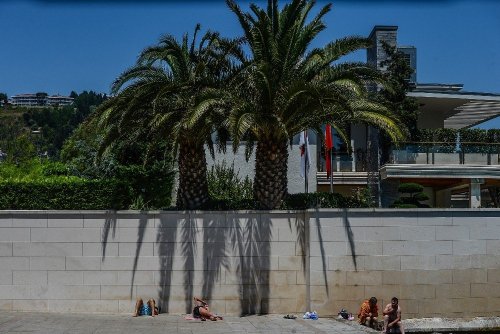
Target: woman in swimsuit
x,y
202,311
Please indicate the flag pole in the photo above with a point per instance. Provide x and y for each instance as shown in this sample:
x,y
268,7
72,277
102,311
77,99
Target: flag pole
x,y
331,167
306,170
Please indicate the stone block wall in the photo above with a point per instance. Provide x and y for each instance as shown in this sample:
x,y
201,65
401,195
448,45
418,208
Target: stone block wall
x,y
438,262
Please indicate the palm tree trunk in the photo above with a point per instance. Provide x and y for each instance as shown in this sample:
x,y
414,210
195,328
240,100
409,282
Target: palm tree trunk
x,y
271,165
193,187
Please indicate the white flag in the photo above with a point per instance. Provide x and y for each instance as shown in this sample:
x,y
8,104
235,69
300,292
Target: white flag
x,y
305,154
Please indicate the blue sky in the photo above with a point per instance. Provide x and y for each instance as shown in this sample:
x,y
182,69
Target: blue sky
x,y
60,46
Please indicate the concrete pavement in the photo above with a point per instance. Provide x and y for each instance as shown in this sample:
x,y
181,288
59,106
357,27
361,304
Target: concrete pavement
x,y
55,323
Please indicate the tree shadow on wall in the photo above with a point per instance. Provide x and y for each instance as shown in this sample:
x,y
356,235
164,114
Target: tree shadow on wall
x,y
322,251
252,242
165,239
215,234
143,224
109,226
300,227
189,230
350,237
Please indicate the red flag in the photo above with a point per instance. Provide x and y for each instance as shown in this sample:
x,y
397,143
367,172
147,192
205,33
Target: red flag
x,y
305,154
328,148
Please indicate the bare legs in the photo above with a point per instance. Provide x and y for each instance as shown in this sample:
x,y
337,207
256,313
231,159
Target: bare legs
x,y
371,322
206,314
203,310
386,323
152,306
139,303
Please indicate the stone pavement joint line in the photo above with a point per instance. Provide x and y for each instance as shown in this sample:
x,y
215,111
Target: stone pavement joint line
x,y
55,323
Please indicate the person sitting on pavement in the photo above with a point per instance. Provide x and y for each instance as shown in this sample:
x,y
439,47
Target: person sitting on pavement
x,y
145,309
368,313
392,317
202,311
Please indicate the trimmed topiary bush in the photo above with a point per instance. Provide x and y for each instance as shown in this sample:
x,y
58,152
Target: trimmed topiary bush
x,y
412,196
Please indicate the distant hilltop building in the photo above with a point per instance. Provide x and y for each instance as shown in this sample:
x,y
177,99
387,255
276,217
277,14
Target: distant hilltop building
x,y
40,100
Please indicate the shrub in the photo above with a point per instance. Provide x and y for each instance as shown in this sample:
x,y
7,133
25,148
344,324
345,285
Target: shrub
x,y
413,195
150,187
320,200
63,193
225,184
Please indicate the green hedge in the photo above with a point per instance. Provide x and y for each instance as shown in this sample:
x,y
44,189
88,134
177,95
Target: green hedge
x,y
299,201
61,194
321,200
471,140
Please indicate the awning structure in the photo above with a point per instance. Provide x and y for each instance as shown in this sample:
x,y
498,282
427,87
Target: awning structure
x,y
454,109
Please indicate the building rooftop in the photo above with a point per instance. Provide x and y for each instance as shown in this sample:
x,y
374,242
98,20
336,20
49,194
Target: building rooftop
x,y
461,109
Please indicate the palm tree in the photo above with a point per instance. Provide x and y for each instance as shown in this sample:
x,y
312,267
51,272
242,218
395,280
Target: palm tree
x,y
288,89
174,91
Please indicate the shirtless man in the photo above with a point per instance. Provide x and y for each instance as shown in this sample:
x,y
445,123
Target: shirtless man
x,y
392,317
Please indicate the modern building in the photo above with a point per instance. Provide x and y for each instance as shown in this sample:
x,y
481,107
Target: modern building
x,y
462,176
40,100
451,178
59,100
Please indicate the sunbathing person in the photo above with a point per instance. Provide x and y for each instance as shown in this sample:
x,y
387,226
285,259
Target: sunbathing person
x,y
202,311
145,309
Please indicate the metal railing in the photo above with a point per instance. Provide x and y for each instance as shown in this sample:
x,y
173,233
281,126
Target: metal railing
x,y
435,153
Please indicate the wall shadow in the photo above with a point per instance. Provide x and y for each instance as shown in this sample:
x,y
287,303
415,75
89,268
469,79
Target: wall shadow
x,y
350,238
215,234
254,263
109,226
189,230
300,227
322,250
165,240
143,224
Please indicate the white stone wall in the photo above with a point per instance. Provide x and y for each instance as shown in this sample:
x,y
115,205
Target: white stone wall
x,y
438,262
296,184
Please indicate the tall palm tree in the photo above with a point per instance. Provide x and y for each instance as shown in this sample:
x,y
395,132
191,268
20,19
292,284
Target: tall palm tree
x,y
289,88
174,91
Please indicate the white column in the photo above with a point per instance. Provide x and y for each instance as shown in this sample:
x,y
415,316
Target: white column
x,y
475,193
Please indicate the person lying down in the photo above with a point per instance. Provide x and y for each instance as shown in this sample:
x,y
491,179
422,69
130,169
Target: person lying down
x,y
202,311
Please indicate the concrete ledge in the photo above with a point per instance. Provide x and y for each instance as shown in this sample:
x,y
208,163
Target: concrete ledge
x,y
426,325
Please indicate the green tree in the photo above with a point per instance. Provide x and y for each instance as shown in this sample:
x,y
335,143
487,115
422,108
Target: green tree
x,y
3,98
413,194
398,74
41,98
21,149
85,103
174,91
287,88
57,124
150,183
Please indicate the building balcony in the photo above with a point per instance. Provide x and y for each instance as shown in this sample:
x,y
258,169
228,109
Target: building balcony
x,y
446,154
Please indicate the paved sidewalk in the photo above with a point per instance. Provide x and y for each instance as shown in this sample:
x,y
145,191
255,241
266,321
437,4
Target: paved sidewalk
x,y
55,323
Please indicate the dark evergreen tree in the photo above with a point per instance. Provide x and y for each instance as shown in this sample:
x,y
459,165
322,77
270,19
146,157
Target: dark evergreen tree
x,y
398,78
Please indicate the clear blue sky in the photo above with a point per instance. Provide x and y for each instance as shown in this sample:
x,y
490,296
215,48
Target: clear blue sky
x,y
60,46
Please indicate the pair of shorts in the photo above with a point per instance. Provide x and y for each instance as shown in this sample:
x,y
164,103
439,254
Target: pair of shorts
x,y
145,310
